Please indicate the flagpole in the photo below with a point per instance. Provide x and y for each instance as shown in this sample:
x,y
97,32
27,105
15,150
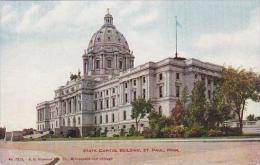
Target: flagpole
x,y
176,54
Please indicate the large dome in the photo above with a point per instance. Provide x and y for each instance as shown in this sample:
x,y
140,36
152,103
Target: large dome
x,y
108,37
108,52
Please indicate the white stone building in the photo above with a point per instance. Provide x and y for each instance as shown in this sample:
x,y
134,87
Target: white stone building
x,y
102,97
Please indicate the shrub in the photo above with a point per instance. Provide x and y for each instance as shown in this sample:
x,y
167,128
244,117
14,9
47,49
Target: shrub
x,y
131,131
122,132
115,135
195,131
228,131
214,133
174,132
151,133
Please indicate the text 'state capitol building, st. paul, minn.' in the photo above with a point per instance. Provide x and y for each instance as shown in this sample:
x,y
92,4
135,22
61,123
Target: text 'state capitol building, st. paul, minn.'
x,y
101,98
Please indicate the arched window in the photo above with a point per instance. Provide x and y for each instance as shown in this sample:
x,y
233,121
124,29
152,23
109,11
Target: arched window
x,y
120,64
63,122
109,63
97,64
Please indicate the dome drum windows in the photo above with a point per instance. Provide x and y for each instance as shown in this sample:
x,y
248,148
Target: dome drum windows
x,y
109,63
97,64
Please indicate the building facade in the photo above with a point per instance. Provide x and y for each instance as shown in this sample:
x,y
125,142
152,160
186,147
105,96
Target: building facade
x,y
101,98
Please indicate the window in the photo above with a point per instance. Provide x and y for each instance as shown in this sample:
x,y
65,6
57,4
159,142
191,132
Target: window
x,y
177,91
107,103
134,95
109,64
134,82
97,64
160,76
56,123
202,77
95,104
125,85
196,76
78,120
101,104
95,119
126,98
95,95
113,90
209,81
107,92
100,119
209,94
113,102
108,38
160,91
120,65
144,93
99,39
124,116
113,117
177,76
124,126
143,79
101,94
106,118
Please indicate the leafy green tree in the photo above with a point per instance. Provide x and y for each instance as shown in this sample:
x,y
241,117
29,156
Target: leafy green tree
x,y
154,118
251,117
178,113
239,85
131,131
140,107
184,97
217,109
198,103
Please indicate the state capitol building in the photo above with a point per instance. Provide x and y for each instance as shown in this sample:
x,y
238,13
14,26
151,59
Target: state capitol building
x,y
101,97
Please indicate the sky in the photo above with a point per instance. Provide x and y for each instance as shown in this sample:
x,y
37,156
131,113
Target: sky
x,y
42,42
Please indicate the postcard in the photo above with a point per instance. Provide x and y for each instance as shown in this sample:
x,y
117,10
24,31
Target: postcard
x,y
130,82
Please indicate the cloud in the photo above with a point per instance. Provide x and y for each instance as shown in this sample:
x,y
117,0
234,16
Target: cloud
x,y
29,17
237,48
7,14
147,18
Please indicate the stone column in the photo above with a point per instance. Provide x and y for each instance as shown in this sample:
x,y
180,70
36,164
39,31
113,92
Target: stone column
x,y
66,108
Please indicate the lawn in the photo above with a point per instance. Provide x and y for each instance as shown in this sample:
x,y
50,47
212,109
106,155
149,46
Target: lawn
x,y
138,138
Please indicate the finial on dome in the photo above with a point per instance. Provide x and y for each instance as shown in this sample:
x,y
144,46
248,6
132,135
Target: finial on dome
x,y
108,19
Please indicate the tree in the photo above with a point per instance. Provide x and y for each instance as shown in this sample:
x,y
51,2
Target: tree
x,y
239,85
251,117
217,109
198,103
140,107
178,113
184,97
